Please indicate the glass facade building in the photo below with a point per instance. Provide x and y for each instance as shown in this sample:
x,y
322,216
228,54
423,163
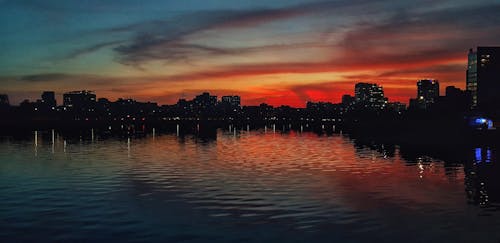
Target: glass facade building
x,y
483,78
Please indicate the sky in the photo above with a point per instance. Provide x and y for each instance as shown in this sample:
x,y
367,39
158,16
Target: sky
x,y
278,52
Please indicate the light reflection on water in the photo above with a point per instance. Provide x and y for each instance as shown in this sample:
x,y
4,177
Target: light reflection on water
x,y
241,185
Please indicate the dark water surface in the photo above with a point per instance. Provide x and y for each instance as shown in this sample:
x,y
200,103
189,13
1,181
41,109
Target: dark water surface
x,y
245,186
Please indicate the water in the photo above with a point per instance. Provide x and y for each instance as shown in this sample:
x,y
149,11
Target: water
x,y
242,186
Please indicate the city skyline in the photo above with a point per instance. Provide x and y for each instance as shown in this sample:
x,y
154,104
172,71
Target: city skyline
x,y
363,93
368,97
59,96
280,53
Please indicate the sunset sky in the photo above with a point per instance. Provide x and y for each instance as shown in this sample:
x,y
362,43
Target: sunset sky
x,y
278,52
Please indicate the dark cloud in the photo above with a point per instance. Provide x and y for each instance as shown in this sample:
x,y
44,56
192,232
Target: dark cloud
x,y
66,79
45,77
434,70
88,6
166,39
92,48
389,39
404,36
411,43
440,31
366,60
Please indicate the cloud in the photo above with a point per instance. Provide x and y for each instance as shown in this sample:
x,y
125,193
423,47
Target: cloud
x,y
442,30
346,63
403,40
45,77
413,42
89,49
445,69
66,81
392,43
432,29
167,40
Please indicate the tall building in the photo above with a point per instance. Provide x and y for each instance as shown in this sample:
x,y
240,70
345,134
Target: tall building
x,y
396,106
231,100
455,99
204,105
427,92
205,100
348,100
452,91
4,100
49,99
471,77
483,78
369,95
79,100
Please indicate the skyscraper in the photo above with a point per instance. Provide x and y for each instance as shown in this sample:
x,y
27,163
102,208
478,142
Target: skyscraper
x,y
427,92
347,100
4,100
483,78
231,100
80,100
205,104
455,99
205,100
471,76
49,99
369,95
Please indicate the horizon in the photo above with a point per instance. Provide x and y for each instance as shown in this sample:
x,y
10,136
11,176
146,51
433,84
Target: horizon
x,y
219,97
279,53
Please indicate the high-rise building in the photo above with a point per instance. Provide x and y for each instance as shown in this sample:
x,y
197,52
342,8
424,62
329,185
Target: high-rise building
x,y
79,100
204,105
205,100
4,100
471,76
483,78
396,106
347,100
49,99
427,92
369,95
231,100
452,91
455,100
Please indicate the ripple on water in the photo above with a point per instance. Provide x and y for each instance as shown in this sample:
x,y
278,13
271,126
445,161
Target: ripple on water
x,y
184,189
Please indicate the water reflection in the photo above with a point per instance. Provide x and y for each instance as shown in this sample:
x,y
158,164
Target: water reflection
x,y
483,155
481,181
479,170
235,183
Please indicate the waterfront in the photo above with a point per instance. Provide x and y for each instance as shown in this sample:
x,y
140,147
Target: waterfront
x,y
230,185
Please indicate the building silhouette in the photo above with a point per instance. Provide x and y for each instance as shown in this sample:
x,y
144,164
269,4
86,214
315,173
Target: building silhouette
x,y
483,78
427,92
4,103
348,100
4,100
204,105
230,106
396,106
49,99
369,95
83,102
78,98
455,101
205,101
231,100
471,77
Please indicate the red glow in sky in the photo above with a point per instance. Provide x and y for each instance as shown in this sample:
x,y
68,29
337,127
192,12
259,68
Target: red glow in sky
x,y
278,52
